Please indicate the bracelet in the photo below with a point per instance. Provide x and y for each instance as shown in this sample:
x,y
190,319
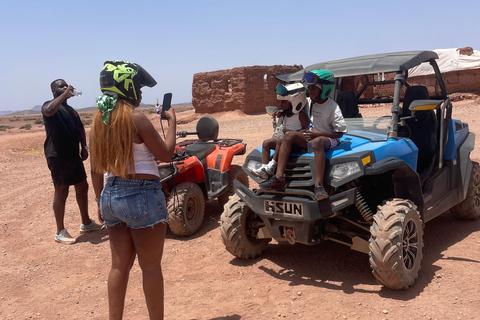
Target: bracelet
x,y
85,147
97,200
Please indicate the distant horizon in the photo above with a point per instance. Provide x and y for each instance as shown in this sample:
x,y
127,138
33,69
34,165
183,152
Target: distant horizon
x,y
13,112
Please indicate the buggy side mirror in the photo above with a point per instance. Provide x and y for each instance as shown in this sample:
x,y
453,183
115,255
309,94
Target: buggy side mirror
x,y
423,105
271,110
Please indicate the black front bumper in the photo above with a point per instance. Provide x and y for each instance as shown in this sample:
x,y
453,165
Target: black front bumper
x,y
293,208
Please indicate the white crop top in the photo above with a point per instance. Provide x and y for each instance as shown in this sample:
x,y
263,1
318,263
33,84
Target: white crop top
x,y
143,160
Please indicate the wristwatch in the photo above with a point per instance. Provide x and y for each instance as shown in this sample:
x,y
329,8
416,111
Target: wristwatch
x,y
85,147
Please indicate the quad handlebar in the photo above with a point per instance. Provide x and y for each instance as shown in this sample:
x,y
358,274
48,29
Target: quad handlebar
x,y
183,134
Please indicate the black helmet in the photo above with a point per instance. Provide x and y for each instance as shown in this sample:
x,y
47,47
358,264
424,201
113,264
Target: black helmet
x,y
125,79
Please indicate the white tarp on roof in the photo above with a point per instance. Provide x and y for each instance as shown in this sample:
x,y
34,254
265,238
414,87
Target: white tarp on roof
x,y
448,60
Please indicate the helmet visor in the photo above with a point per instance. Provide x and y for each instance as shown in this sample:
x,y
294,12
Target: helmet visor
x,y
310,78
281,90
146,80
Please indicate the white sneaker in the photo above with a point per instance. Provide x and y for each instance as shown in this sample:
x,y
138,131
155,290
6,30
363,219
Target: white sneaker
x,y
64,237
271,167
260,172
93,226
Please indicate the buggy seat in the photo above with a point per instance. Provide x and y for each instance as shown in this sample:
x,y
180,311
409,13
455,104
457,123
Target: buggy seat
x,y
347,101
423,128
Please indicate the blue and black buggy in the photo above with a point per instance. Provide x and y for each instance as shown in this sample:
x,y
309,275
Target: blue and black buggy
x,y
386,178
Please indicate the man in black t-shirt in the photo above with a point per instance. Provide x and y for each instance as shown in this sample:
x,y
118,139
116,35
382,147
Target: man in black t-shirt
x,y
65,132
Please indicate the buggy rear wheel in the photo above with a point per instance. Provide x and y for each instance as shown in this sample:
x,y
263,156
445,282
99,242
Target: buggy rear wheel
x,y
186,208
469,208
396,244
238,230
236,173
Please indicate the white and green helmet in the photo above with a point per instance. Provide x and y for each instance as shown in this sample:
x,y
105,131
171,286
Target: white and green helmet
x,y
293,92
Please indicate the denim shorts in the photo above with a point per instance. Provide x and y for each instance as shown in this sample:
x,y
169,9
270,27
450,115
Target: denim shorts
x,y
137,203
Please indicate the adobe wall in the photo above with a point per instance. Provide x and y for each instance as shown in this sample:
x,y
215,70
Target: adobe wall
x,y
249,89
462,81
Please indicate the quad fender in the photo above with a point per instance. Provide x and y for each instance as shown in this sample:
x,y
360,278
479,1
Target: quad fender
x,y
218,165
191,170
221,158
406,181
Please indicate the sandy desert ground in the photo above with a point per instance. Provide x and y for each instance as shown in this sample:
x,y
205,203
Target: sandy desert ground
x,y
41,279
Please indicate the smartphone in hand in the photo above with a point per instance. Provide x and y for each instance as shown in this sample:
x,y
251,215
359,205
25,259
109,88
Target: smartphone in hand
x,y
167,103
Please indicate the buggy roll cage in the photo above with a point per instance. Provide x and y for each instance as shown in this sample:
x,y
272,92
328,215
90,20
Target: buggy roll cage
x,y
398,62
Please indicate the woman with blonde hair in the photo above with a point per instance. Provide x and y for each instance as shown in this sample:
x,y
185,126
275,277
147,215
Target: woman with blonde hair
x,y
131,204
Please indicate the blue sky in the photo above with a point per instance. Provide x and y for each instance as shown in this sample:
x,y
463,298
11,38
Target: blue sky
x,y
173,40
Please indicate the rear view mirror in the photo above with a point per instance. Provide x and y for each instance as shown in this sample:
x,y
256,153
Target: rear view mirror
x,y
271,110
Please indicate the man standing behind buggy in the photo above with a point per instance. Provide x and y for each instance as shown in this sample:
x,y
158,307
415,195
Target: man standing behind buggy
x,y
65,132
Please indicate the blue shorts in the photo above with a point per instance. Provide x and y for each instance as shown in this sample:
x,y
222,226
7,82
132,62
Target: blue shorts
x,y
137,203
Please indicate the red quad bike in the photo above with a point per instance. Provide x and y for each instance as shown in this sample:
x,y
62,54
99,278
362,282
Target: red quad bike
x,y
201,170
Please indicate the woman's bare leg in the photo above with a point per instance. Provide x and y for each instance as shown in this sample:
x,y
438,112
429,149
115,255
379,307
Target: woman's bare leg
x,y
123,256
149,247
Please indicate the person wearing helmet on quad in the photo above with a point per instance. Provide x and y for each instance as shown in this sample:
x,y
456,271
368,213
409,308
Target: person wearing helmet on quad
x,y
292,118
131,204
328,126
64,133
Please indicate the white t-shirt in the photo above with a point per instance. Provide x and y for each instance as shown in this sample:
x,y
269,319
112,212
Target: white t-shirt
x,y
327,117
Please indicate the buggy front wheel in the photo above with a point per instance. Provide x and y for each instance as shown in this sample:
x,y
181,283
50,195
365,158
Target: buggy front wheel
x,y
396,244
239,229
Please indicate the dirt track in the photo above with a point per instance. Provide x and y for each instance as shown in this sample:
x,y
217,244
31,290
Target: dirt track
x,y
41,279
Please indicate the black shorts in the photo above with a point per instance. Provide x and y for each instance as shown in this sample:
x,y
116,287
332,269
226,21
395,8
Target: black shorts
x,y
66,172
297,149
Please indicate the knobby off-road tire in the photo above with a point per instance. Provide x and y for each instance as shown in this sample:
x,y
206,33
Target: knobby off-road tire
x,y
470,207
186,208
396,244
236,231
235,173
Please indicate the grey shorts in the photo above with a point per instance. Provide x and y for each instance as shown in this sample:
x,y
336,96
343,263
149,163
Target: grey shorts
x,y
333,144
137,203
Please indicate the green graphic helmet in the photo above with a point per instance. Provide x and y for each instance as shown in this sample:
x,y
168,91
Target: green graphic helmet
x,y
124,79
323,79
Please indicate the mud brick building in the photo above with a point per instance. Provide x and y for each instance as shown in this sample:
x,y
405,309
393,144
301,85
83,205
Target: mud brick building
x,y
249,89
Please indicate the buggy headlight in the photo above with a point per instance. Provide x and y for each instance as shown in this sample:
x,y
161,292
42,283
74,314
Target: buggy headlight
x,y
342,170
253,165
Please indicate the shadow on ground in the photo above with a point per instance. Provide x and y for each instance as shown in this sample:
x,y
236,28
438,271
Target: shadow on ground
x,y
334,266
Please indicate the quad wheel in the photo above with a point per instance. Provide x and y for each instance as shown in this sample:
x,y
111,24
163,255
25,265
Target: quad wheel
x,y
238,232
186,208
235,173
469,208
396,244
